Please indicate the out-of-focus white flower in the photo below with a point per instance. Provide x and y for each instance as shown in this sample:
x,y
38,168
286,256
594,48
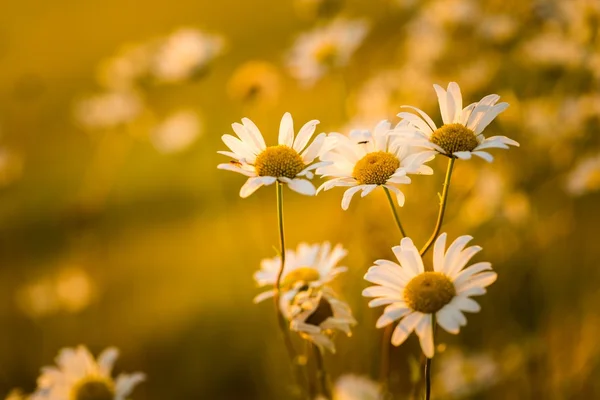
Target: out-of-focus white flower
x,y
448,12
585,177
289,162
127,68
312,266
176,132
255,82
498,28
551,48
184,54
316,314
461,135
71,290
413,296
460,376
79,376
108,110
425,42
324,48
364,161
356,387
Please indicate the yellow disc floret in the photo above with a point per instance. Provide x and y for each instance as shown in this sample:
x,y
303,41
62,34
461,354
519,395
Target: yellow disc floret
x,y
455,137
304,275
279,161
375,168
93,389
429,292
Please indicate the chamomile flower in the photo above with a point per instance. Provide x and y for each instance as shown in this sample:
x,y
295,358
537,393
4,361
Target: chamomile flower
x,y
309,266
316,314
331,46
184,54
79,376
365,160
585,177
461,135
414,295
289,162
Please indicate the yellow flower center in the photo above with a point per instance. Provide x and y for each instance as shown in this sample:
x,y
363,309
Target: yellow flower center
x,y
321,313
279,161
302,274
327,54
455,137
375,168
429,292
93,389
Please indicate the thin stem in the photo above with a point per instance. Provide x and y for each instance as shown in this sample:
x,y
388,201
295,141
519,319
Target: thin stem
x,y
394,211
386,349
321,372
280,317
428,379
443,201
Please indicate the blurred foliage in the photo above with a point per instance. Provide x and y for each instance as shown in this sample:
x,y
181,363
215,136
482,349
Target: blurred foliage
x,y
129,236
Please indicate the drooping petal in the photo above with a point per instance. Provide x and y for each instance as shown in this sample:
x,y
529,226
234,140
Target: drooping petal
x,y
405,327
424,330
348,196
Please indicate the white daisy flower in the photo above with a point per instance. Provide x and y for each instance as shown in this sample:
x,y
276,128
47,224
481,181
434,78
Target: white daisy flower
x,y
290,162
185,53
461,135
585,177
356,387
316,314
177,132
413,295
79,376
365,160
309,266
108,110
324,48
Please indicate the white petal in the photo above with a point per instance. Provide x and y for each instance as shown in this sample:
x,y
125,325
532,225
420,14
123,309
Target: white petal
x,y
446,320
263,296
107,359
463,155
251,186
466,304
381,301
239,147
485,155
489,117
235,168
381,291
314,149
424,331
126,383
348,196
286,130
454,92
255,132
391,316
367,189
481,280
442,100
405,327
467,273
399,195
425,117
246,137
439,249
304,135
302,186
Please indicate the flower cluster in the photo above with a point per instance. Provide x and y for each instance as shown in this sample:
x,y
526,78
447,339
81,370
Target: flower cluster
x,y
417,295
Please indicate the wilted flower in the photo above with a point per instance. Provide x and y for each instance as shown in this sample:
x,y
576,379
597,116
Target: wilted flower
x,y
184,54
462,132
309,266
326,47
255,82
585,177
367,160
414,296
79,376
176,132
285,162
317,314
108,110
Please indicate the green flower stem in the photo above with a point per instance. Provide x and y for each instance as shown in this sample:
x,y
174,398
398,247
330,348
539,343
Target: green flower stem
x,y
444,200
283,326
428,379
322,373
394,211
